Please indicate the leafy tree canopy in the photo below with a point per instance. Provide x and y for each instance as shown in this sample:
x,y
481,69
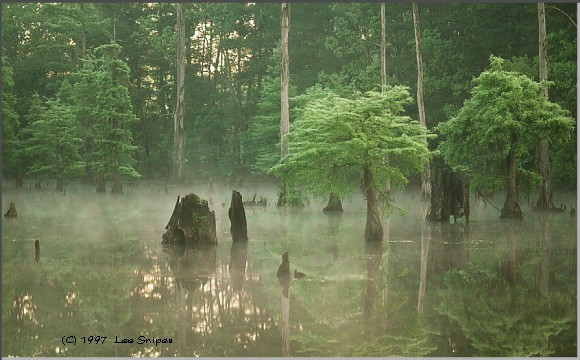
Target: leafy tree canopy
x,y
336,138
505,113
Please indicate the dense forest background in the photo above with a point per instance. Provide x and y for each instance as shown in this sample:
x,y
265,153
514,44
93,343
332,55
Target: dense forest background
x,y
90,88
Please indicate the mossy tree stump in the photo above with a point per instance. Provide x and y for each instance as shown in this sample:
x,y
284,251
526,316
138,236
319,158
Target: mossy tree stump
x,y
191,222
237,215
11,213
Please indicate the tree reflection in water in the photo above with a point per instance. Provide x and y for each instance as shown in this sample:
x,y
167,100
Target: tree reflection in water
x,y
284,277
501,302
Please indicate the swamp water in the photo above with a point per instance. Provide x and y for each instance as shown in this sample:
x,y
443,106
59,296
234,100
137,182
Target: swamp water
x,y
489,288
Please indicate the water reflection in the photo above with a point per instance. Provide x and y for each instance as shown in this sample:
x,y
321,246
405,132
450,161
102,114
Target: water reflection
x,y
238,258
374,255
284,278
500,301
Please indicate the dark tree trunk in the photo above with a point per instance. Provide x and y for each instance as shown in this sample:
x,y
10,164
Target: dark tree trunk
x,y
117,185
59,185
511,208
374,228
37,184
282,196
191,222
19,181
449,195
334,204
11,213
101,188
237,215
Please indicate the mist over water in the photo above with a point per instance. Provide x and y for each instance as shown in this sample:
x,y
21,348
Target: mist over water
x,y
103,272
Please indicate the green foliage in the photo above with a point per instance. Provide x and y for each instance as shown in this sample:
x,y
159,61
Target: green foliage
x,y
52,141
104,106
10,123
336,138
504,113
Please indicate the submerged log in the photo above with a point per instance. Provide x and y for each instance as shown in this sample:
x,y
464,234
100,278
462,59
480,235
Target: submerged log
x,y
237,215
449,195
191,222
334,204
11,213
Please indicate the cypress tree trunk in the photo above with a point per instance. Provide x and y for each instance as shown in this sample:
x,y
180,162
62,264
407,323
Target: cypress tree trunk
x,y
334,204
179,132
374,228
425,174
449,195
383,49
101,183
59,184
117,185
511,208
545,201
285,108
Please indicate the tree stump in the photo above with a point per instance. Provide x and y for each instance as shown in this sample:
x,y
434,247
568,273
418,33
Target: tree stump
x,y
191,223
237,215
37,250
334,205
449,195
11,213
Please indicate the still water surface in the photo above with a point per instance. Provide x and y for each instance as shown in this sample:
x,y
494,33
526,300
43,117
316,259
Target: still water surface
x,y
489,288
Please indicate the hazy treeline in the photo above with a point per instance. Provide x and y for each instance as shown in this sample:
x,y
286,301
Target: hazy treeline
x,y
63,75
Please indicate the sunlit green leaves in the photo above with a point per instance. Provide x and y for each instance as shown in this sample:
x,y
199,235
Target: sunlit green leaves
x,y
504,113
335,138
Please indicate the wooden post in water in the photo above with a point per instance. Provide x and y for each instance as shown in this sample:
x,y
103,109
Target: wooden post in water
x,y
37,250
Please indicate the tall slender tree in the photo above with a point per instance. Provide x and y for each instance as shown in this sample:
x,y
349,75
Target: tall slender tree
x,y
284,102
179,133
425,175
545,200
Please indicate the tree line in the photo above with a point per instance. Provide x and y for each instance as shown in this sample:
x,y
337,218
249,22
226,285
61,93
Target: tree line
x,y
90,90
